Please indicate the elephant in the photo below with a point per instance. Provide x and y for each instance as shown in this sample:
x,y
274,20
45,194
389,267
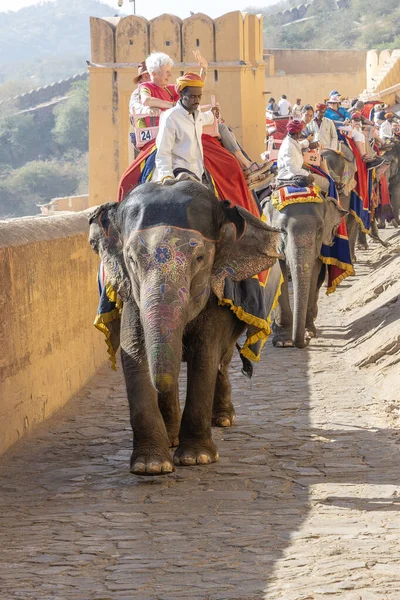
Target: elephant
x,y
342,168
167,252
393,177
304,228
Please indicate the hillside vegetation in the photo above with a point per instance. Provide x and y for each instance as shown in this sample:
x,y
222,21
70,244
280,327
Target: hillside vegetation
x,y
46,42
363,25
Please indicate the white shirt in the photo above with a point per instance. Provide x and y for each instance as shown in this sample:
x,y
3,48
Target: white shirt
x,y
284,107
179,142
386,130
290,159
326,134
296,111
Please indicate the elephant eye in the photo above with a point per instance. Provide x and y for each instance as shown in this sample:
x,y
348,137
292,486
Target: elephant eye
x,y
200,258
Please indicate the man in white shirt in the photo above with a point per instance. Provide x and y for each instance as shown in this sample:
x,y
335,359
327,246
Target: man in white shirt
x,y
386,128
179,146
290,156
323,129
284,106
290,160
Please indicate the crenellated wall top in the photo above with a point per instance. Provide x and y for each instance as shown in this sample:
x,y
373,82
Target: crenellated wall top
x,y
235,37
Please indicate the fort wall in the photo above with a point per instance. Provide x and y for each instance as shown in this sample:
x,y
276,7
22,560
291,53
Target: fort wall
x,y
48,299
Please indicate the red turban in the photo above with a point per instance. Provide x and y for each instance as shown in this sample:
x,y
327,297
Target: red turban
x,y
188,79
295,126
321,106
356,116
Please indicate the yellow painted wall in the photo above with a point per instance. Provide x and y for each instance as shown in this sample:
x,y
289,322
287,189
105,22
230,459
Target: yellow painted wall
x,y
233,46
318,61
313,88
48,300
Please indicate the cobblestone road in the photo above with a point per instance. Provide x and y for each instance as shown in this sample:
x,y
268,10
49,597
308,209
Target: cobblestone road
x,y
303,505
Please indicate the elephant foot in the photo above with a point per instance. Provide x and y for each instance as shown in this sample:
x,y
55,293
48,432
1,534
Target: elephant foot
x,y
224,417
394,223
311,332
199,453
362,245
151,463
382,225
282,340
173,441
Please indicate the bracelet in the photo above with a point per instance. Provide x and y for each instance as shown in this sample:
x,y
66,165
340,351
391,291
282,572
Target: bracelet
x,y
166,177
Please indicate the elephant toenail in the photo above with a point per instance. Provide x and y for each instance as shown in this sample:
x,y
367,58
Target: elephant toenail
x,y
203,459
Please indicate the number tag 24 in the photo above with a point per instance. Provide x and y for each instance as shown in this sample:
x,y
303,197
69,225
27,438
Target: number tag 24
x,y
146,135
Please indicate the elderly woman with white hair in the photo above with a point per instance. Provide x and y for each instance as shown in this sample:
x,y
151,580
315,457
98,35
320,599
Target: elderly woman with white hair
x,y
158,92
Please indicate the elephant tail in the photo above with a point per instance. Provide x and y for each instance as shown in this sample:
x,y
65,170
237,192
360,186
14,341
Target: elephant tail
x,y
247,365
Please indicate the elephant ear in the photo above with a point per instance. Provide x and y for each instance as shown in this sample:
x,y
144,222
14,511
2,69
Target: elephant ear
x,y
105,239
333,217
246,247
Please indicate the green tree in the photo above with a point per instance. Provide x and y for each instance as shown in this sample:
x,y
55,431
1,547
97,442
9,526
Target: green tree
x,y
21,140
71,129
37,182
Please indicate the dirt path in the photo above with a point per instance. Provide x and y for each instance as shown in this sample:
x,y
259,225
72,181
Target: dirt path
x,y
303,505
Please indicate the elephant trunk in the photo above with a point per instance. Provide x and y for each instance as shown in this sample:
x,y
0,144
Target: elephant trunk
x,y
163,323
301,263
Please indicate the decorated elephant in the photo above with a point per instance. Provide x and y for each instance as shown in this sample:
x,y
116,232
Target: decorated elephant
x,y
167,251
342,168
393,178
305,226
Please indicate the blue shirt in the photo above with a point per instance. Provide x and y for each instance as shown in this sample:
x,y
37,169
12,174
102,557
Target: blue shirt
x,y
334,116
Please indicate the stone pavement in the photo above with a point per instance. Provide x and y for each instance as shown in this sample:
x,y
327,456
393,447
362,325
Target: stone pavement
x,y
303,505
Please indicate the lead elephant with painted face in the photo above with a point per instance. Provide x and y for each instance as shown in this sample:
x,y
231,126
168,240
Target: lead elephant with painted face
x,y
167,252
304,228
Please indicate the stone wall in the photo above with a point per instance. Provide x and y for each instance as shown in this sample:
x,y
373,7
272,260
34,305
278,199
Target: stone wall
x,y
312,74
43,94
48,301
296,62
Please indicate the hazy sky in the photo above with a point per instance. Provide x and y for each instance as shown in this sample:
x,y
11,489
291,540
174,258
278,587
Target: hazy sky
x,y
153,8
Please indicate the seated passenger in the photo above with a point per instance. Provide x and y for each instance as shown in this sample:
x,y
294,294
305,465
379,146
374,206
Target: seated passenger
x,y
359,140
323,129
291,169
335,112
273,107
158,92
179,146
134,102
386,128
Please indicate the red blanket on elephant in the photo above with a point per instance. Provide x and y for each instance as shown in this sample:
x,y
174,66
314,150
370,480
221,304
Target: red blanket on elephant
x,y
360,199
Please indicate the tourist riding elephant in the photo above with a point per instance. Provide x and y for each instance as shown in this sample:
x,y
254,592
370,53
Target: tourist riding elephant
x,y
393,178
342,168
304,228
167,251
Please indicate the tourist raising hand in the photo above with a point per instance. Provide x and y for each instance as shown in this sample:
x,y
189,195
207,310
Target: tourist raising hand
x,y
202,62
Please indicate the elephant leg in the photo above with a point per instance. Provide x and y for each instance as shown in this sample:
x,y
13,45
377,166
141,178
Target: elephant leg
x,y
168,404
352,228
317,279
223,414
362,243
204,348
151,455
283,321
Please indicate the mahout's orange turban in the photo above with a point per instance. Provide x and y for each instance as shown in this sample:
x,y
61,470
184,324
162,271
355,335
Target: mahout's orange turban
x,y
321,106
188,79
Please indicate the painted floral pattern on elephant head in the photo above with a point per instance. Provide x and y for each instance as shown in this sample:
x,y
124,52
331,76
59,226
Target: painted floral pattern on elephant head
x,y
170,255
